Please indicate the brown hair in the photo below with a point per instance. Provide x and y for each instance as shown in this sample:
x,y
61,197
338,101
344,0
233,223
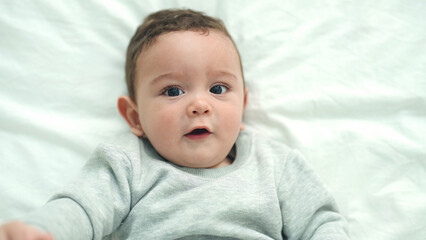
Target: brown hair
x,y
165,21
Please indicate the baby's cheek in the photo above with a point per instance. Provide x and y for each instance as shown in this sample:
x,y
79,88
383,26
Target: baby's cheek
x,y
232,119
167,120
164,132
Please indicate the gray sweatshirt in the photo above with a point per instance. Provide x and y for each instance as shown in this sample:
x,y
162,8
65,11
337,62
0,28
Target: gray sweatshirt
x,y
127,191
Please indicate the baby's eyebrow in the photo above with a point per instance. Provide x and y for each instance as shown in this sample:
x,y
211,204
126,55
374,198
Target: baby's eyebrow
x,y
165,76
223,73
177,76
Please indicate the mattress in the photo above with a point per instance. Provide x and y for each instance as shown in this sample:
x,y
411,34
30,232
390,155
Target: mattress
x,y
344,82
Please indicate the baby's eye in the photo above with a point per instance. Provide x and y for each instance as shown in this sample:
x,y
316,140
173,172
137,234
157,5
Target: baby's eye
x,y
173,92
218,89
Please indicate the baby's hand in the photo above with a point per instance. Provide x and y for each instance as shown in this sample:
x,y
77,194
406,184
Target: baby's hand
x,y
21,231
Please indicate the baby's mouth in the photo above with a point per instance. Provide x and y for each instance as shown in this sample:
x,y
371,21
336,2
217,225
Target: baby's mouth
x,y
198,133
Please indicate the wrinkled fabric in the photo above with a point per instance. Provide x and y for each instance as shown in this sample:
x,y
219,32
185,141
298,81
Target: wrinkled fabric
x,y
343,81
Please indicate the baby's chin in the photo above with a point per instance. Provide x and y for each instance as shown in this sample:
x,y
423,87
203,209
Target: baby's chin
x,y
206,153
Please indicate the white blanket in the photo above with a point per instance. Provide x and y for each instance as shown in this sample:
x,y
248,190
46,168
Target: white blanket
x,y
342,81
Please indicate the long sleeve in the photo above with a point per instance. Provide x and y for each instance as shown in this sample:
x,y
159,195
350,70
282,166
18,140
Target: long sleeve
x,y
308,209
94,204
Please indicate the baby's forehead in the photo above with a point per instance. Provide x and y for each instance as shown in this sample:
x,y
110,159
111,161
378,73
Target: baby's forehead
x,y
198,41
177,35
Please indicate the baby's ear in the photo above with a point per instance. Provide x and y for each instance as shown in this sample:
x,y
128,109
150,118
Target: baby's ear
x,y
129,112
244,106
245,98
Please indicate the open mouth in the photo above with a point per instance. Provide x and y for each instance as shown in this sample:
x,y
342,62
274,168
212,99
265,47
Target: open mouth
x,y
198,133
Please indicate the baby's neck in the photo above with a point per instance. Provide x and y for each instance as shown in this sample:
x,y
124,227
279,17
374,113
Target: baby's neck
x,y
226,162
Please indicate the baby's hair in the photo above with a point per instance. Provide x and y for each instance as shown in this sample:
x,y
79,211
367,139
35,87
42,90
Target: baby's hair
x,y
164,21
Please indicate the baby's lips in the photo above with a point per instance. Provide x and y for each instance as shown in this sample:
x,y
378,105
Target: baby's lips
x,y
198,130
198,134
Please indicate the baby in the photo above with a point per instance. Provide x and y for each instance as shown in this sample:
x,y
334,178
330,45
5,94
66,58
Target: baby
x,y
188,171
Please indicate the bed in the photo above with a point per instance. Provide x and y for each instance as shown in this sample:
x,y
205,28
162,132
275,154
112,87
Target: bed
x,y
342,81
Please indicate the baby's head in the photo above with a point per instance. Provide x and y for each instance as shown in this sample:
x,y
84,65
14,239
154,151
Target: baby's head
x,y
186,88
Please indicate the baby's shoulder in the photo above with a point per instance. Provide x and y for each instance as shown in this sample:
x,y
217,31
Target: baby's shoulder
x,y
281,155
124,145
267,145
267,151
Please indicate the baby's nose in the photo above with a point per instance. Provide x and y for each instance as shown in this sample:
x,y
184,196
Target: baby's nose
x,y
199,107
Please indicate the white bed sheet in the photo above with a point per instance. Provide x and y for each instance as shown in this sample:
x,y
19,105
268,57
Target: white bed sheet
x,y
342,81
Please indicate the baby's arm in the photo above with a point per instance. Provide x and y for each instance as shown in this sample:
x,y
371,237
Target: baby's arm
x,y
308,209
20,231
94,204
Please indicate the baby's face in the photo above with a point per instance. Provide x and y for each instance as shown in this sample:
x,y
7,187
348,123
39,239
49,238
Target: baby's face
x,y
190,97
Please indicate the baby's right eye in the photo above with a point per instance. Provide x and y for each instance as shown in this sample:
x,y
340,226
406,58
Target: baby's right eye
x,y
173,92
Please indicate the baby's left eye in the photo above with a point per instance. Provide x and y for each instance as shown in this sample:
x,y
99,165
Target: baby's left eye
x,y
218,89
